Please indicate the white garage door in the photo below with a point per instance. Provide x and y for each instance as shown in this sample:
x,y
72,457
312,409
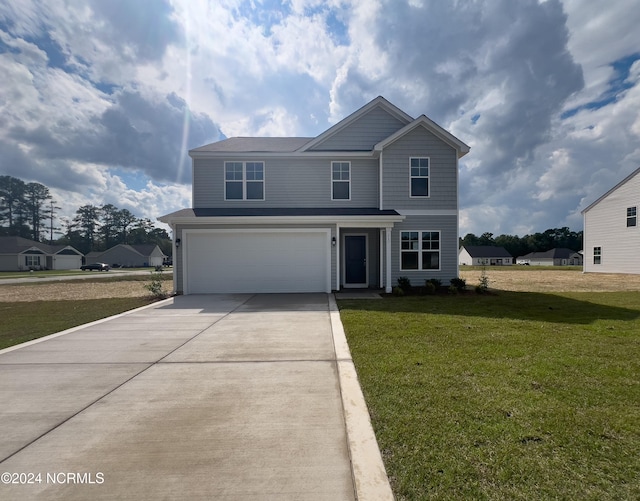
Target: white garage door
x,y
265,261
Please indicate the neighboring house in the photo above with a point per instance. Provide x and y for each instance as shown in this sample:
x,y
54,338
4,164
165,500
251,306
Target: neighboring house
x,y
130,256
484,255
17,253
612,229
373,198
553,257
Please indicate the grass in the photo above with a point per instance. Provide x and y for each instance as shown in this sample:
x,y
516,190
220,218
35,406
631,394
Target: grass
x,y
506,396
62,273
25,321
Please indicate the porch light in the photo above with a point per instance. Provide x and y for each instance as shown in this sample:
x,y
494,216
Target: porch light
x,y
178,242
333,241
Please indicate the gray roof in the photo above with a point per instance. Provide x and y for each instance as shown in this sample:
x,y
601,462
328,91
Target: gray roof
x,y
486,251
275,212
560,253
255,145
16,245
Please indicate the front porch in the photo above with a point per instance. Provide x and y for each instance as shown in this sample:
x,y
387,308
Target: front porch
x,y
363,257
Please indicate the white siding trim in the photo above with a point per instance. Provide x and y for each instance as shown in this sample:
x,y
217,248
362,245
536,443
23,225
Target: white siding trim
x,y
433,212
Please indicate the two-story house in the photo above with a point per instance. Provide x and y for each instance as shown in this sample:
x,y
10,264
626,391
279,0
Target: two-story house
x,y
612,229
373,198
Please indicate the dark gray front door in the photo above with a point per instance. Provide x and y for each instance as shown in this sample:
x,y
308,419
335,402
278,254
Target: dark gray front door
x,y
355,259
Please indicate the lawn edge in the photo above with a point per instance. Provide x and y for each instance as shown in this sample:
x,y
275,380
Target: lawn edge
x,y
82,326
370,477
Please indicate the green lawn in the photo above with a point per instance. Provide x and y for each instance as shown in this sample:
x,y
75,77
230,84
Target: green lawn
x,y
507,396
24,321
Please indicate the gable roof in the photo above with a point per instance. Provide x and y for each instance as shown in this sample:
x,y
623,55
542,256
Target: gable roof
x,y
431,126
559,253
16,245
624,181
144,250
378,102
486,251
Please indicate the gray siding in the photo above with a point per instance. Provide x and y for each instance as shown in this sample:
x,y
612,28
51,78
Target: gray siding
x,y
442,173
289,183
448,228
364,133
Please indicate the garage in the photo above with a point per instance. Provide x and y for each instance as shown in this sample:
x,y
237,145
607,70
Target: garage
x,y
257,261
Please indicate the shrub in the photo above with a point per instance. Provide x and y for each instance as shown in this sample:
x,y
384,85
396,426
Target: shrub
x,y
405,284
429,288
397,291
155,286
453,290
458,283
483,286
437,283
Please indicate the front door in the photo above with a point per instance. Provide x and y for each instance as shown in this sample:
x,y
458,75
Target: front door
x,y
355,261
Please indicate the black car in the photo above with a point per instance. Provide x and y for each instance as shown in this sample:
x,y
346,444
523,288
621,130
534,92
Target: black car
x,y
95,266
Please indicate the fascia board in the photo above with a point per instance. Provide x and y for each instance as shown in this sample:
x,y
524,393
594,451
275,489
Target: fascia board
x,y
377,102
294,154
624,181
364,221
432,127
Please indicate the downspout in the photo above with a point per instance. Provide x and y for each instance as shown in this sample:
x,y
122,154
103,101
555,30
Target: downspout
x,y
457,213
380,205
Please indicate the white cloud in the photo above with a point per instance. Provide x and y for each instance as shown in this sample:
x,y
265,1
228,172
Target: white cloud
x,y
94,88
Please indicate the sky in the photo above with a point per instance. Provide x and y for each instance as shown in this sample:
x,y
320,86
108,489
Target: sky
x,y
101,100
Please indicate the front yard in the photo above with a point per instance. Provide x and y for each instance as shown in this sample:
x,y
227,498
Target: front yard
x,y
516,395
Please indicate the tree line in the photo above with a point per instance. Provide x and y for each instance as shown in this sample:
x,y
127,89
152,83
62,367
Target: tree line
x,y
28,210
537,242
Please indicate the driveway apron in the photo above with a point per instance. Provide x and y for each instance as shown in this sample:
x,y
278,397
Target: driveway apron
x,y
198,397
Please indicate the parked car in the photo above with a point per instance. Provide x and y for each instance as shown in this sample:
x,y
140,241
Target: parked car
x,y
95,266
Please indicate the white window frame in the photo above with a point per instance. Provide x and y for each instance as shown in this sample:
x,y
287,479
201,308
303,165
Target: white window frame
x,y
245,181
32,260
347,181
427,177
597,255
632,216
420,250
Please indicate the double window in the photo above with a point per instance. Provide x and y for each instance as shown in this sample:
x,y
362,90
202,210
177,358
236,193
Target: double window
x,y
632,219
31,261
419,250
597,255
340,180
419,176
244,180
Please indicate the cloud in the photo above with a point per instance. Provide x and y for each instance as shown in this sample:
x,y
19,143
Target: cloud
x,y
106,97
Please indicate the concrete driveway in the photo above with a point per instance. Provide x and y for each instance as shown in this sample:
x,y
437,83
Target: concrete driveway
x,y
197,397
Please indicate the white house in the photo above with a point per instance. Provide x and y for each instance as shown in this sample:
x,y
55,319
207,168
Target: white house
x,y
612,230
371,199
484,255
124,255
552,257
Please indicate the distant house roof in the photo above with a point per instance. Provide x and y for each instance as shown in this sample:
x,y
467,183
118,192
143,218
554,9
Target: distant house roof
x,y
486,251
16,245
255,145
560,253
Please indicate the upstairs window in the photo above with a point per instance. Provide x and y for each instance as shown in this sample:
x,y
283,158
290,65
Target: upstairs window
x,y
632,219
419,176
340,180
419,250
244,180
